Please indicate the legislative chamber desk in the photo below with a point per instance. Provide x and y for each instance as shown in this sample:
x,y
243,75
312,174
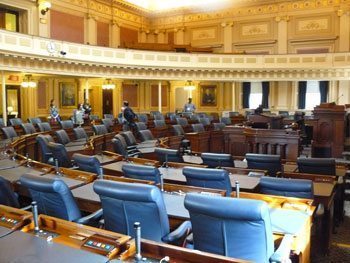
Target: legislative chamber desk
x,y
289,216
274,122
62,241
200,141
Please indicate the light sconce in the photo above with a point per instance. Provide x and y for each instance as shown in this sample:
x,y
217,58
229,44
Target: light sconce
x,y
108,84
189,87
44,7
28,82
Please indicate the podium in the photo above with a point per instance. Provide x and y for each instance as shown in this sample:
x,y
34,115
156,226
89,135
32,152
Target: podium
x,y
274,122
328,139
199,141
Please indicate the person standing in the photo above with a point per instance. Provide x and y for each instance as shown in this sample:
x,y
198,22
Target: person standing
x,y
87,109
129,115
189,107
54,114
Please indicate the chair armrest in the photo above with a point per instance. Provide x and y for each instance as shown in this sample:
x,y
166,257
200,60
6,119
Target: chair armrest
x,y
131,147
179,234
283,251
92,219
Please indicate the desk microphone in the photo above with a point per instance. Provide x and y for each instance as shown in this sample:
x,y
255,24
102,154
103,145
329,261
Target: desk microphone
x,y
137,227
100,176
57,168
237,189
35,217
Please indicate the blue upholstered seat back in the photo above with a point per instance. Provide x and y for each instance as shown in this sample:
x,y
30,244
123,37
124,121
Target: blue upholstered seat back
x,y
129,138
198,127
126,203
219,126
238,228
142,172
140,126
15,121
146,135
142,118
159,123
7,196
205,121
87,163
182,121
173,155
269,162
44,126
9,132
226,120
68,124
208,178
178,130
59,152
80,133
108,122
316,165
28,128
62,137
217,159
34,121
53,196
43,141
287,187
108,116
119,145
99,129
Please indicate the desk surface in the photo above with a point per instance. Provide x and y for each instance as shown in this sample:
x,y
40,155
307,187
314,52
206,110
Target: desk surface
x,y
175,174
104,159
7,163
21,247
75,148
192,159
291,167
117,166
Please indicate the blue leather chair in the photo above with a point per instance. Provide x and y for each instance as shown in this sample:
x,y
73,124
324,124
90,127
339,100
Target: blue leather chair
x,y
142,118
208,178
205,121
80,133
2,123
182,121
108,116
219,126
129,138
15,121
159,117
99,129
232,227
7,196
62,137
87,163
299,188
173,155
126,203
324,166
140,126
54,198
198,127
59,152
68,124
34,121
226,120
9,132
44,126
142,172
178,130
146,135
109,123
46,154
269,162
120,147
214,160
159,123
28,128
93,117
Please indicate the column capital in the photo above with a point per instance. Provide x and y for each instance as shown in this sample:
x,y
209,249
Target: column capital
x,y
91,16
282,18
342,12
115,22
179,29
227,24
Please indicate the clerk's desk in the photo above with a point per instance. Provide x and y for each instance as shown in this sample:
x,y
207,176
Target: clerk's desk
x,y
63,241
283,211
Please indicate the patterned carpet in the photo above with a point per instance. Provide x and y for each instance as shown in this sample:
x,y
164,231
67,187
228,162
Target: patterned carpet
x,y
340,247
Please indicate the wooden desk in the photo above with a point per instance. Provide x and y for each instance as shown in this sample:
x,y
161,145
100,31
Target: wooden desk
x,y
200,141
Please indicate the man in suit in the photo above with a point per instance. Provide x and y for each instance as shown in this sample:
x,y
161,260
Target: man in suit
x,y
129,115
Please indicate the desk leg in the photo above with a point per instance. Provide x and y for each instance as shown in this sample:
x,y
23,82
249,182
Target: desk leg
x,y
327,226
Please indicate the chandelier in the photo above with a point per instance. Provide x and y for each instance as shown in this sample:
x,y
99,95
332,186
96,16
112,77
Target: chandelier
x,y
108,84
28,82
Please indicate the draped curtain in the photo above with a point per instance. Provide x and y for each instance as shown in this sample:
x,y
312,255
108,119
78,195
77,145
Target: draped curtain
x,y
265,94
302,94
246,94
324,86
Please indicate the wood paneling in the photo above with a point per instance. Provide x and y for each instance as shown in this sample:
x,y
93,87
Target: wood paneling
x,y
67,27
130,93
102,34
41,91
155,95
171,37
128,35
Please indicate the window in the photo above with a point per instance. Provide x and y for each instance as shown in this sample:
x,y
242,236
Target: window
x,y
9,20
313,96
256,95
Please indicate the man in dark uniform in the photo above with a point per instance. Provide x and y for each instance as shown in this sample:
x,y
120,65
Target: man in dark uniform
x,y
129,115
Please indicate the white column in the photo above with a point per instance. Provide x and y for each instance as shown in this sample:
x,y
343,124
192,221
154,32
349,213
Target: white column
x,y
227,36
91,30
115,34
160,96
4,109
344,31
282,38
87,89
233,96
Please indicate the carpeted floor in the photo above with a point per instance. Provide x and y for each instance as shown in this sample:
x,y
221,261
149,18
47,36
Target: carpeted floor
x,y
340,246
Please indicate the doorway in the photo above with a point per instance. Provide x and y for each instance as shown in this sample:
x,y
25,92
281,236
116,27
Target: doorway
x,y
107,101
13,101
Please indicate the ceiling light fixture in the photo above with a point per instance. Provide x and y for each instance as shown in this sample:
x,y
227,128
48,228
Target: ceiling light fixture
x,y
108,84
28,82
44,7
